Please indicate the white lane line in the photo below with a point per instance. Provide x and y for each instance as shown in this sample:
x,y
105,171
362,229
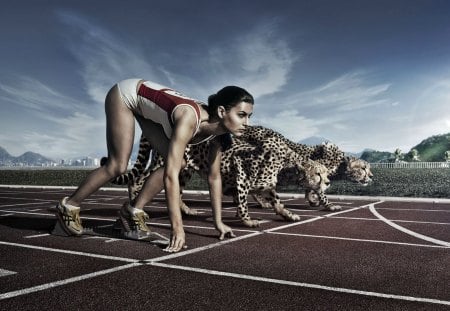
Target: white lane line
x,y
203,248
29,213
348,210
301,284
156,224
4,272
415,209
396,220
357,240
36,236
54,216
21,204
256,233
63,251
105,239
407,231
66,281
26,199
422,222
318,218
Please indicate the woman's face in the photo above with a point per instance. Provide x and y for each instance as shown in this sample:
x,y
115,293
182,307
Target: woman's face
x,y
236,119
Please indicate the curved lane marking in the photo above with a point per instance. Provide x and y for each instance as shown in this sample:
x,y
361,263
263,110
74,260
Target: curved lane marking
x,y
407,231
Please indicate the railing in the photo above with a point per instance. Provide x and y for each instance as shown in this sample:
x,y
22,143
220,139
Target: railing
x,y
411,165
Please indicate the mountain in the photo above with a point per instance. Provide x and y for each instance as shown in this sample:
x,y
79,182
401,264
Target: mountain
x,y
433,148
373,156
5,156
32,157
28,158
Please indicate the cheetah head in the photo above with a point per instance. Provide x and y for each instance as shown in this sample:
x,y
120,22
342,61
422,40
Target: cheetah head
x,y
359,171
315,176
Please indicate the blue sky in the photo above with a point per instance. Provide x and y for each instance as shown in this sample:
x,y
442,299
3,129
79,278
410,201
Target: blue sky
x,y
363,74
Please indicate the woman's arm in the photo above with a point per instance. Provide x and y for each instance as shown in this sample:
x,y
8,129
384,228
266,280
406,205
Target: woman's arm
x,y
184,127
215,190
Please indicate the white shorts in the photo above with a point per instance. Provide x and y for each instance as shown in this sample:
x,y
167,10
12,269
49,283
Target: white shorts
x,y
128,93
152,105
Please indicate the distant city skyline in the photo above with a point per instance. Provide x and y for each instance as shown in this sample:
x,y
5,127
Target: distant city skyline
x,y
363,74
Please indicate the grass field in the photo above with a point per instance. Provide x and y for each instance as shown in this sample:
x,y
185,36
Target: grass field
x,y
431,183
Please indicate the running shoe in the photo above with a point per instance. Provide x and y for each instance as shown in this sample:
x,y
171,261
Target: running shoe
x,y
69,217
133,220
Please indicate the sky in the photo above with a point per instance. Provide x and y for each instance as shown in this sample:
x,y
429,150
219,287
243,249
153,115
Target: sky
x,y
362,74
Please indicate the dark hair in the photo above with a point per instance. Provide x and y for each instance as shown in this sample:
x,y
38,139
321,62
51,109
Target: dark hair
x,y
228,97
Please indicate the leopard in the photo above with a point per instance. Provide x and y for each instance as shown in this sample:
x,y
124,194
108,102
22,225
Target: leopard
x,y
254,169
245,168
338,164
340,167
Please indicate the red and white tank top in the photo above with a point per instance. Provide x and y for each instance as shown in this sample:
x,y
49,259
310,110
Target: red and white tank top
x,y
158,103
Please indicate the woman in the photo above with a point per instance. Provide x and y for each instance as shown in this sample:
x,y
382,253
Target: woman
x,y
170,121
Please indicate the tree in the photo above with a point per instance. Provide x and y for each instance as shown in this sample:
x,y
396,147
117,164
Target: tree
x,y
415,155
398,155
447,156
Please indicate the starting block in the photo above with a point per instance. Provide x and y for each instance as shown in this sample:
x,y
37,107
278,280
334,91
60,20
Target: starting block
x,y
117,232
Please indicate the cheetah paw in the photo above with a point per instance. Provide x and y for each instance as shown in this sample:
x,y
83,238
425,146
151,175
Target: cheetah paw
x,y
333,208
251,223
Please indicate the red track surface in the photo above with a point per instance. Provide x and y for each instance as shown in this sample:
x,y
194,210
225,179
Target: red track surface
x,y
374,255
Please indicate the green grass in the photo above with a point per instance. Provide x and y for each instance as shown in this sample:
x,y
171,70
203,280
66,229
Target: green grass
x,y
427,183
387,182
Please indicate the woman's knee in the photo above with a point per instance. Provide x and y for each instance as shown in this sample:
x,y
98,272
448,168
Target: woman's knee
x,y
115,168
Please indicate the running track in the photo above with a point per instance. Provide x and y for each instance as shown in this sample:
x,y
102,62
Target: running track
x,y
375,254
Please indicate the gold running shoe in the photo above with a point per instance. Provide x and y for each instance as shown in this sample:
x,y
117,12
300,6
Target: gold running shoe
x,y
133,220
69,217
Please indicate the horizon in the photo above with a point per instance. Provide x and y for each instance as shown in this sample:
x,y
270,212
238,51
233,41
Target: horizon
x,y
362,74
135,150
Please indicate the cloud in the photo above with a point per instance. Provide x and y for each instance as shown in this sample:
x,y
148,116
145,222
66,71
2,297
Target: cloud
x,y
32,94
267,61
336,110
289,123
428,111
104,58
75,138
64,127
51,123
349,92
260,61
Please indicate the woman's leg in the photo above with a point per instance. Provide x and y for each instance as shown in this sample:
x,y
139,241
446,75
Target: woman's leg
x,y
119,138
159,141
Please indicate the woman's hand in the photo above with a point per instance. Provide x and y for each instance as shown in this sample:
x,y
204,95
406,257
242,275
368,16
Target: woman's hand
x,y
225,231
177,241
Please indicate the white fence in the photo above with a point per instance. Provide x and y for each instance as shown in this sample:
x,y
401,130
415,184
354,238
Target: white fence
x,y
411,165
